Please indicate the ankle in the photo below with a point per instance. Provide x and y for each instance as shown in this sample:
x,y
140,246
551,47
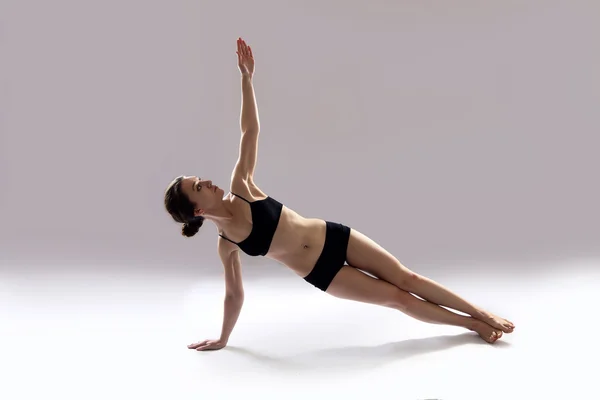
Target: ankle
x,y
472,323
479,314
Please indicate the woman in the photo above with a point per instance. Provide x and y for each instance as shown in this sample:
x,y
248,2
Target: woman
x,y
328,255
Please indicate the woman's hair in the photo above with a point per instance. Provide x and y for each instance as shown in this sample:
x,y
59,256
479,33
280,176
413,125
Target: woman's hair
x,y
182,209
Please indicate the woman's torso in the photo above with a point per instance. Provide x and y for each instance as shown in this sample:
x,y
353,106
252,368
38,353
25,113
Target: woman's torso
x,y
297,241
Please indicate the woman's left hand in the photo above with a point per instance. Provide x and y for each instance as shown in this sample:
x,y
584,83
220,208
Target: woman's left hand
x,y
245,58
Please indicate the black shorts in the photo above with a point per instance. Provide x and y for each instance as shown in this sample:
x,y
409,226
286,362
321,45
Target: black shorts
x,y
333,256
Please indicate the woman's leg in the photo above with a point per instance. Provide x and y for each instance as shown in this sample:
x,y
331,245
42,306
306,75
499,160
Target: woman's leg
x,y
352,284
365,254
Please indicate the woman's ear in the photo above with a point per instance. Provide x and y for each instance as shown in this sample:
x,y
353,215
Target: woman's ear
x,y
198,212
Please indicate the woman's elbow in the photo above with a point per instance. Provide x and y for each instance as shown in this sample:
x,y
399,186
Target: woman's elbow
x,y
235,294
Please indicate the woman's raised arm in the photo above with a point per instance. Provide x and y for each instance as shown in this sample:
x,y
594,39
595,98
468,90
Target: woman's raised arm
x,y
249,121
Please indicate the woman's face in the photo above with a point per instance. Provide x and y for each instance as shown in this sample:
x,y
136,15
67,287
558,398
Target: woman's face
x,y
201,192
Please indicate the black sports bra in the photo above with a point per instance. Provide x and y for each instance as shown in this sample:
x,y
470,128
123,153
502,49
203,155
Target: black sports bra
x,y
265,218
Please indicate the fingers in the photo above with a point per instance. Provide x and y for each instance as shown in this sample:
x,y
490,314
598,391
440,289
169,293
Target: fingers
x,y
208,346
197,344
205,345
240,49
243,49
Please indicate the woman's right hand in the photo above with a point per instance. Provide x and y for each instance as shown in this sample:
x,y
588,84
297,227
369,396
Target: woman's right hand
x,y
207,345
245,58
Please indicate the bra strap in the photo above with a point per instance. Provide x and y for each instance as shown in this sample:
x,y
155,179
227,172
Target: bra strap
x,y
227,239
237,195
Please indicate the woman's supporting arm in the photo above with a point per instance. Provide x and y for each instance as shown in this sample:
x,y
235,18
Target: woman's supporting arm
x,y
234,296
234,289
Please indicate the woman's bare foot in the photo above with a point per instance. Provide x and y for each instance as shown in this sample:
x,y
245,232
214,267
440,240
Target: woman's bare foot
x,y
487,332
499,323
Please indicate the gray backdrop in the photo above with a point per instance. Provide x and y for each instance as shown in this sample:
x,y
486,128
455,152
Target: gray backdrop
x,y
446,131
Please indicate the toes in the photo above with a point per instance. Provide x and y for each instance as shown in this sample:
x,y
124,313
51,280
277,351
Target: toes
x,y
500,323
495,336
504,324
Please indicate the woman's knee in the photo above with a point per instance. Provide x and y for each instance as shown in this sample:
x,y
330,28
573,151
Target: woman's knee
x,y
408,280
398,299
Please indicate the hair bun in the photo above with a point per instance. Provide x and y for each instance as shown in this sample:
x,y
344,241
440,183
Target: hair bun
x,y
192,227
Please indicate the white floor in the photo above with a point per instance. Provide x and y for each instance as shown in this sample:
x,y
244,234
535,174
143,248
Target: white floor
x,y
123,335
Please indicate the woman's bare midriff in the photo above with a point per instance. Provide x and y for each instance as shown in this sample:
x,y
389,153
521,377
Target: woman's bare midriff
x,y
298,241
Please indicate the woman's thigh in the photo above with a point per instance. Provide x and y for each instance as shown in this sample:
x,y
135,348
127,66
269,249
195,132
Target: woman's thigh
x,y
365,254
352,284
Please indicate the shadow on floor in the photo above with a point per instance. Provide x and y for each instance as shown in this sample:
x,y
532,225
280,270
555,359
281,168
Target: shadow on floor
x,y
360,357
